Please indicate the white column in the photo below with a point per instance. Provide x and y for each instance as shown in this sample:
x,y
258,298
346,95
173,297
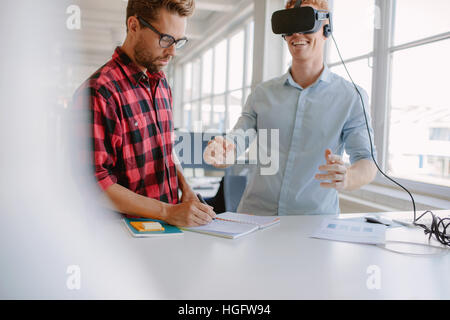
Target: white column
x,y
268,47
381,78
177,91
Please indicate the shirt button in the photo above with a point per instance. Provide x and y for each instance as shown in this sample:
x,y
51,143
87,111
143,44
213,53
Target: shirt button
x,y
136,124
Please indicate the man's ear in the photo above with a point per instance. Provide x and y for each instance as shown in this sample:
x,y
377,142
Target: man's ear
x,y
133,24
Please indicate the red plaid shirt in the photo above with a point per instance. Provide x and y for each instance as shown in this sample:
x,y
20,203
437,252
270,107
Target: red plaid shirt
x,y
132,128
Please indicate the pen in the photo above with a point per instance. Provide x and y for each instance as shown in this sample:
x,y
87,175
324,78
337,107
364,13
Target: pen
x,y
199,196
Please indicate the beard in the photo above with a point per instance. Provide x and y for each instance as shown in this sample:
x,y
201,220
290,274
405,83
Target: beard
x,y
145,58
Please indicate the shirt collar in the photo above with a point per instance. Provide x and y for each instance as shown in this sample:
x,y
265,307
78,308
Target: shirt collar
x,y
324,76
132,71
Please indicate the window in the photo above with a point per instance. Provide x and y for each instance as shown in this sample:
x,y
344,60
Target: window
x,y
418,105
440,134
216,83
206,112
419,130
234,106
187,71
236,76
219,113
417,19
409,87
220,65
196,79
249,54
357,54
187,109
207,71
361,72
353,41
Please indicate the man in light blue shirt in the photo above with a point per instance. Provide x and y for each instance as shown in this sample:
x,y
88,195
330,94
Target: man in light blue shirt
x,y
317,115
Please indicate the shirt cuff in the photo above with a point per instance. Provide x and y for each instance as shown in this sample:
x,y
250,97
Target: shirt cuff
x,y
106,182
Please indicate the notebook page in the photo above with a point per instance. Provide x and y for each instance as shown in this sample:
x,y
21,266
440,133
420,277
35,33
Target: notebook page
x,y
261,221
224,227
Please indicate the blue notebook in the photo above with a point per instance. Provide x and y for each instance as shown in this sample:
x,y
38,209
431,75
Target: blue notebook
x,y
169,230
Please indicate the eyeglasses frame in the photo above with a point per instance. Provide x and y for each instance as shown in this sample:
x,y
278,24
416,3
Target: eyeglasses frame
x,y
162,35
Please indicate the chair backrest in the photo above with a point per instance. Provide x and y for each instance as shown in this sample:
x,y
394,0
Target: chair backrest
x,y
233,189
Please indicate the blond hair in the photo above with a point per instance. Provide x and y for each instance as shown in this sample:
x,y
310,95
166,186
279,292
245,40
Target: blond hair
x,y
321,4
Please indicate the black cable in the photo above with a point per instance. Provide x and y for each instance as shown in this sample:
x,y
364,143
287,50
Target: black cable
x,y
437,223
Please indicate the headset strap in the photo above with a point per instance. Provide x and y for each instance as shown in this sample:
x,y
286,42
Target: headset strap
x,y
322,15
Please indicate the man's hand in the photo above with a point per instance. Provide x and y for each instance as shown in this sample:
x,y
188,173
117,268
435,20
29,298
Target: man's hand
x,y
188,195
336,172
189,214
220,153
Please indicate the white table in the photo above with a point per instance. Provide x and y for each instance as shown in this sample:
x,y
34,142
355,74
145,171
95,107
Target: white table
x,y
281,262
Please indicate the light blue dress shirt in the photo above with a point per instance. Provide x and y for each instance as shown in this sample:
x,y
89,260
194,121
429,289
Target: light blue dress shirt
x,y
327,114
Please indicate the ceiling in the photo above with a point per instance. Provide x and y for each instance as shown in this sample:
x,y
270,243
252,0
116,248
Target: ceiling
x,y
103,27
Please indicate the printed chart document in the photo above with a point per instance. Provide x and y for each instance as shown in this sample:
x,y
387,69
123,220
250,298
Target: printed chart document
x,y
233,225
351,231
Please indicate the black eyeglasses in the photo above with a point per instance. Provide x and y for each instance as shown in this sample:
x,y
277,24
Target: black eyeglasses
x,y
165,40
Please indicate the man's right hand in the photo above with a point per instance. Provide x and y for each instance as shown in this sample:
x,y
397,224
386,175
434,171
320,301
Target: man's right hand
x,y
189,214
220,153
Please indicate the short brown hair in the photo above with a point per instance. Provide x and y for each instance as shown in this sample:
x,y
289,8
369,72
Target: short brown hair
x,y
321,4
148,9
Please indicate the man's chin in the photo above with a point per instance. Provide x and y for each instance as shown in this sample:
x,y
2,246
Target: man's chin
x,y
154,68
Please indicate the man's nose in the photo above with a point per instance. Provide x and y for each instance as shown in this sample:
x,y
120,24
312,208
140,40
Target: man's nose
x,y
297,34
171,50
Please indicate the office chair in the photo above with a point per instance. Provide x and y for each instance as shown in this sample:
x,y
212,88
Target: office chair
x,y
233,189
229,193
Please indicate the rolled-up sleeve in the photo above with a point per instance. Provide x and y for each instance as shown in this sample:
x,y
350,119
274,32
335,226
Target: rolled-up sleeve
x,y
106,140
355,135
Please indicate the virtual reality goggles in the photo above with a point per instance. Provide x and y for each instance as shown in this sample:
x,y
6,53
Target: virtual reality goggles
x,y
300,20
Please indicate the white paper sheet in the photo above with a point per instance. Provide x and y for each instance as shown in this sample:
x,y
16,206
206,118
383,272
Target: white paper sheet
x,y
351,231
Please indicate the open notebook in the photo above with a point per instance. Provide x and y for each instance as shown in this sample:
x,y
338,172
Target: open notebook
x,y
233,225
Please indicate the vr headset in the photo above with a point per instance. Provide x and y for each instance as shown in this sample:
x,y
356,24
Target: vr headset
x,y
300,20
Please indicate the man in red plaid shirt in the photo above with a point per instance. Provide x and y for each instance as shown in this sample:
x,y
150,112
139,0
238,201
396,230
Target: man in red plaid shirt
x,y
130,102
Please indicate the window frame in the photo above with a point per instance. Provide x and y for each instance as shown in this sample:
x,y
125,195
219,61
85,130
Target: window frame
x,y
382,54
245,27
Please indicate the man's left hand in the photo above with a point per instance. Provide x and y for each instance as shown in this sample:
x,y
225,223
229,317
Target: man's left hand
x,y
336,172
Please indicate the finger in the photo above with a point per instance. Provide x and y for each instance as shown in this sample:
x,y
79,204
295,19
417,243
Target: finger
x,y
196,221
338,177
206,209
229,144
333,167
328,185
331,185
330,176
327,154
203,216
333,158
